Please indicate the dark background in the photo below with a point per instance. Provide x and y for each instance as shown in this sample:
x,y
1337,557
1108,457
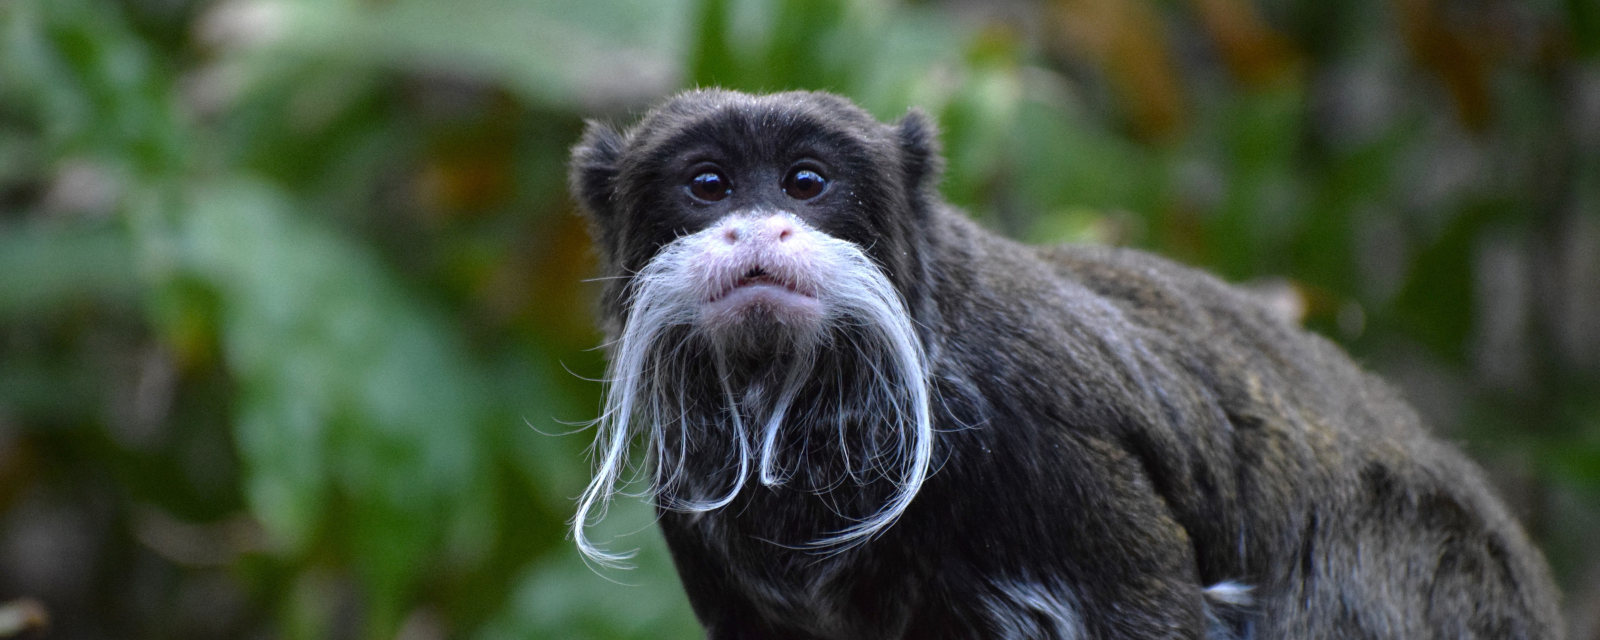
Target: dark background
x,y
292,299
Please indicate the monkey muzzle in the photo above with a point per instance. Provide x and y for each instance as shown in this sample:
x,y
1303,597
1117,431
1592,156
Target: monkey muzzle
x,y
764,294
761,268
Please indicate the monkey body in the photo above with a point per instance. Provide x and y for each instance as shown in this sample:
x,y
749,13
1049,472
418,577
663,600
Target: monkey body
x,y
1116,446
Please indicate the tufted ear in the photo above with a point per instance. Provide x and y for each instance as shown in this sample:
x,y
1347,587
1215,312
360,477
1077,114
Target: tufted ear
x,y
592,172
919,152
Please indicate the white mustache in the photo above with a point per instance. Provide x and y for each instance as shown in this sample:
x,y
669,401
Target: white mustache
x,y
658,342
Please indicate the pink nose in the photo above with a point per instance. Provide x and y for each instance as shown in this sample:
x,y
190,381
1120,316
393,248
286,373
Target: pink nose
x,y
760,231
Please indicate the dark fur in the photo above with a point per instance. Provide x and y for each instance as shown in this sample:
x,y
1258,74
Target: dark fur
x,y
1118,429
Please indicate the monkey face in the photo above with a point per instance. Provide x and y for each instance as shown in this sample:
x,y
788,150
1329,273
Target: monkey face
x,y
763,262
759,188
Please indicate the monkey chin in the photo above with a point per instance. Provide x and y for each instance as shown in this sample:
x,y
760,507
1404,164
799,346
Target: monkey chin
x,y
763,315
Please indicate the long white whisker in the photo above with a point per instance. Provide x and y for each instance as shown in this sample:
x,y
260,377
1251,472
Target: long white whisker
x,y
743,441
769,444
865,326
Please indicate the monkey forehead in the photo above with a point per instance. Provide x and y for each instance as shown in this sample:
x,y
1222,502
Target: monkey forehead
x,y
756,125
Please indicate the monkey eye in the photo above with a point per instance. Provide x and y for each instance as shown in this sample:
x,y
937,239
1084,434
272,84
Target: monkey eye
x,y
804,184
710,186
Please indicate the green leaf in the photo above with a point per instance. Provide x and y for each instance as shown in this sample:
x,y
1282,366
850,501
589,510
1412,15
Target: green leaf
x,y
350,388
564,53
47,267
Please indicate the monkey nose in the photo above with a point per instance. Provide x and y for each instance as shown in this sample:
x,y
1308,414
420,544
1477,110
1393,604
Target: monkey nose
x,y
779,229
769,230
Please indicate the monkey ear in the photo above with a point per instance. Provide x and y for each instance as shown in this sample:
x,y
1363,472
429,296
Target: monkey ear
x,y
592,173
919,151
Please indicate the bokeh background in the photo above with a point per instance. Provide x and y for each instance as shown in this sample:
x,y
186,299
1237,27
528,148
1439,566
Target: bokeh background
x,y
293,311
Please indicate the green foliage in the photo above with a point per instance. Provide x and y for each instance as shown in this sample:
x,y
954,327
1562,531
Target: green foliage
x,y
293,311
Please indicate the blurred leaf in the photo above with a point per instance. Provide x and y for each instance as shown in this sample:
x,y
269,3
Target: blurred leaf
x,y
89,79
1127,41
1436,303
346,386
1585,27
1255,53
714,62
565,53
1263,200
1064,161
47,267
561,597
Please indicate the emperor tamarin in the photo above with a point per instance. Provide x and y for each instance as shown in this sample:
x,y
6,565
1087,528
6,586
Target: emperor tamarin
x,y
865,417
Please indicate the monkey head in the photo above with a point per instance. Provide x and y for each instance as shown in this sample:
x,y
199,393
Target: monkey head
x,y
765,252
761,182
